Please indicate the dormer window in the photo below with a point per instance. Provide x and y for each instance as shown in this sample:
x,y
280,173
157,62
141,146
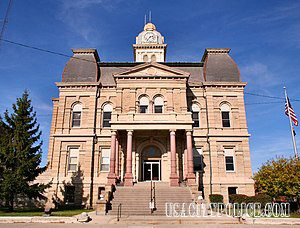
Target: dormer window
x,y
144,104
158,105
76,115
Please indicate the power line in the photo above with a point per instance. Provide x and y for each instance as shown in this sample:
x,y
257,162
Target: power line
x,y
82,59
5,21
258,103
47,51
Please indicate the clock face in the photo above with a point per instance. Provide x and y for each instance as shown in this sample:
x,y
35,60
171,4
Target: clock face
x,y
150,37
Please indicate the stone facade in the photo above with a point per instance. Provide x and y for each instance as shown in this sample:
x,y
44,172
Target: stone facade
x,y
123,123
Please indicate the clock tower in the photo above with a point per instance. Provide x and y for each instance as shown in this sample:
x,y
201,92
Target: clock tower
x,y
149,46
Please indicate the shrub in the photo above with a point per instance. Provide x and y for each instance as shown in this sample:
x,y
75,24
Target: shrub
x,y
216,198
238,198
260,198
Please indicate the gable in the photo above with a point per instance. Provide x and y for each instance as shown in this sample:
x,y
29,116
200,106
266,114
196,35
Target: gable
x,y
152,70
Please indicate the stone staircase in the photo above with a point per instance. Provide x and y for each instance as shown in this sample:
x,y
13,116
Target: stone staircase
x,y
135,200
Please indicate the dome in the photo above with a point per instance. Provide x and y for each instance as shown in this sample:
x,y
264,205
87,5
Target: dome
x,y
149,27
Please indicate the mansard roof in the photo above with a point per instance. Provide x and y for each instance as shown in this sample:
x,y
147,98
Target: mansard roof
x,y
216,66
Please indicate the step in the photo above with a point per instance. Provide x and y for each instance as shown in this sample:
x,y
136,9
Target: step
x,y
135,200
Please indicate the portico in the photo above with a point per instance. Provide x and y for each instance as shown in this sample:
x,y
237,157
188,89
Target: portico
x,y
148,156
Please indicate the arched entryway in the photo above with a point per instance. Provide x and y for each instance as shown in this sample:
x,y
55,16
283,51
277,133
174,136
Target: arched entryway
x,y
151,163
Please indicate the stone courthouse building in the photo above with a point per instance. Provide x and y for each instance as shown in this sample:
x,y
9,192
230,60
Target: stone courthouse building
x,y
117,124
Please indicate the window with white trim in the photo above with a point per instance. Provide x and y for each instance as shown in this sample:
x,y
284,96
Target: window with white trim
x,y
76,115
73,159
144,104
104,161
229,160
198,159
225,114
196,115
158,104
107,110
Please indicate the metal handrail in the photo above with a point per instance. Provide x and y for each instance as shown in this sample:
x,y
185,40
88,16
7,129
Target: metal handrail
x,y
119,214
151,198
154,198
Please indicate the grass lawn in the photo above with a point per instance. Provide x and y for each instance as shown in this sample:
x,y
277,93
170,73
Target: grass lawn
x,y
40,212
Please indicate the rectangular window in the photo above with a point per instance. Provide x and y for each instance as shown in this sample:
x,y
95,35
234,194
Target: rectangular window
x,y
143,108
198,159
104,162
229,159
225,119
158,109
229,163
69,194
106,119
195,118
232,190
76,119
101,192
73,159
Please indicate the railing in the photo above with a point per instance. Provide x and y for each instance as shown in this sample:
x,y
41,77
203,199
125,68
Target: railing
x,y
152,204
119,214
154,197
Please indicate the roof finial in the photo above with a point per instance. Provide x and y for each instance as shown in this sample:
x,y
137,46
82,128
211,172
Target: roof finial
x,y
145,19
150,16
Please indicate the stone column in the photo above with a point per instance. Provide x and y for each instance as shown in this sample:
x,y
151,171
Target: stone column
x,y
191,179
174,179
150,107
112,176
128,175
185,164
117,158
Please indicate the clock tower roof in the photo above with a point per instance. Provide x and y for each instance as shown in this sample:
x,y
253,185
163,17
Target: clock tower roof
x,y
149,27
149,45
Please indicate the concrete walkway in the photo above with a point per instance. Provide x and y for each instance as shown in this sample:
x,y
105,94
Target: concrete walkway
x,y
36,225
145,221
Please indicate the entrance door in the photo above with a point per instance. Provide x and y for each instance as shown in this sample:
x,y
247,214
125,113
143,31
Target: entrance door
x,y
151,171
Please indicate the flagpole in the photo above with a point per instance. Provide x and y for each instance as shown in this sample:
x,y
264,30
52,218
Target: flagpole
x,y
292,129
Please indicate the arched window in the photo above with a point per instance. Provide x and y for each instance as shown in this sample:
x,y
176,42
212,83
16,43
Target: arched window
x,y
145,58
76,115
158,104
107,109
196,115
153,58
144,103
225,113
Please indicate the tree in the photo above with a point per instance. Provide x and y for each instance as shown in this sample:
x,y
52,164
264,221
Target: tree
x,y
20,153
279,177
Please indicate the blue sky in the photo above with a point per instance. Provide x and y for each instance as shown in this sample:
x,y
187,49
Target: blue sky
x,y
264,37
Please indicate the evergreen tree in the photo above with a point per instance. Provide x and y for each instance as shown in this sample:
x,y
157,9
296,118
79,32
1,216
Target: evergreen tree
x,y
20,153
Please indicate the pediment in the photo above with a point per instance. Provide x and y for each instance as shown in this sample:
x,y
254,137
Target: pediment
x,y
152,69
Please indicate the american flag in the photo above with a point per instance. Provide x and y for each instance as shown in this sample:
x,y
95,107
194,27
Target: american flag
x,y
288,108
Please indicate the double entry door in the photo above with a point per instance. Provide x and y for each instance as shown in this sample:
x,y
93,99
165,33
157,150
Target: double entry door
x,y
151,170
